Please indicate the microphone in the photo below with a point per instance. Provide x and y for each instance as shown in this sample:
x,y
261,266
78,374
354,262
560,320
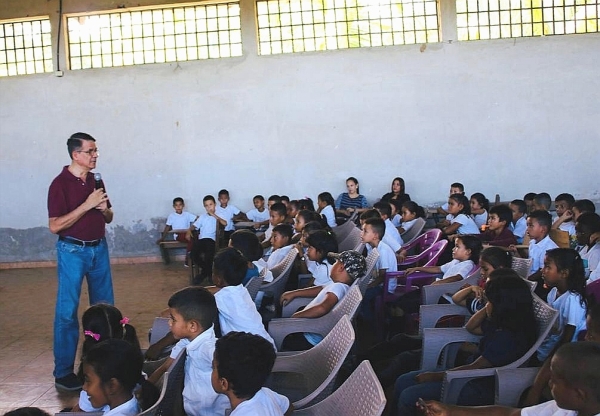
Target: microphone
x,y
98,179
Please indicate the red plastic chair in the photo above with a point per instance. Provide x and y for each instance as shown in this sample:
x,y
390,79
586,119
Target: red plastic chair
x,y
420,244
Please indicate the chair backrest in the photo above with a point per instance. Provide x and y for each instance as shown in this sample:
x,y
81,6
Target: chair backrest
x,y
360,395
170,402
342,231
521,266
348,305
160,328
152,410
320,364
593,290
352,240
414,231
284,264
360,247
433,253
423,241
430,294
281,273
560,237
255,284
371,260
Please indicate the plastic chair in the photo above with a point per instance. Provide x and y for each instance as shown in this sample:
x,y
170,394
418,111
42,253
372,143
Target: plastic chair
x,y
281,273
342,231
360,395
364,281
511,383
414,231
281,327
308,377
152,411
421,242
432,293
351,241
521,266
593,290
170,402
443,341
255,284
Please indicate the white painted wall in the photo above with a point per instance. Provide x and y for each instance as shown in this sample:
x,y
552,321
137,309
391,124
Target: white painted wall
x,y
504,116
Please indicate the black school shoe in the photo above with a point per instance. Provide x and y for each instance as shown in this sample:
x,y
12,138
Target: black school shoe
x,y
69,382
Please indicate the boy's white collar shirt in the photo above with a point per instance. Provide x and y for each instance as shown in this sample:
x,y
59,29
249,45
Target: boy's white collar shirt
x,y
129,408
227,214
537,251
265,402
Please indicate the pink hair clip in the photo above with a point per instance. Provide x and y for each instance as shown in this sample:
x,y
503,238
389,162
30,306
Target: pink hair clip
x,y
124,321
93,335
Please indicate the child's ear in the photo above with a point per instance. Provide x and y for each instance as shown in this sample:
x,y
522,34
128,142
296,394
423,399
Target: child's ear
x,y
112,387
223,384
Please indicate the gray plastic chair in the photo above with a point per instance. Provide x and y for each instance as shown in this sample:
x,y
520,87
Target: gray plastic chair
x,y
360,395
521,266
342,231
255,284
281,273
170,402
414,231
364,281
351,241
511,383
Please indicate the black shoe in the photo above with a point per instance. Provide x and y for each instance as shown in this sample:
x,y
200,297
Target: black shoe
x,y
69,382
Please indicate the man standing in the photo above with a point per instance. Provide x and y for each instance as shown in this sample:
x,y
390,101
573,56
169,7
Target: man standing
x,y
78,209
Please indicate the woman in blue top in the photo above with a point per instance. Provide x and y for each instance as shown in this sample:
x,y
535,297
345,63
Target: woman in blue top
x,y
352,201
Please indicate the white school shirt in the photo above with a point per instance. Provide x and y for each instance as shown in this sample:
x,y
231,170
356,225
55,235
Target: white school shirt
x,y
537,252
548,409
227,214
570,312
391,236
207,227
321,272
329,215
261,264
180,221
467,225
568,226
397,220
257,216
269,232
519,229
264,403
199,398
278,255
455,267
129,408
407,225
237,312
387,257
339,290
592,255
480,219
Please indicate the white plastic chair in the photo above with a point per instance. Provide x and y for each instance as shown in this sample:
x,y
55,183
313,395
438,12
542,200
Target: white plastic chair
x,y
414,231
281,273
351,241
521,266
255,284
511,383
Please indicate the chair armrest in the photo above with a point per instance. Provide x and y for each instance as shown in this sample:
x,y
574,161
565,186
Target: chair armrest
x,y
511,382
295,304
281,327
436,339
421,278
431,293
455,380
430,314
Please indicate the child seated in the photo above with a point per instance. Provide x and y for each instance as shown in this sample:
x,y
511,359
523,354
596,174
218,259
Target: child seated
x,y
455,188
111,371
541,202
326,205
259,215
303,217
292,210
317,260
459,217
242,364
228,212
237,311
203,249
528,199
281,244
277,215
479,209
497,232
392,235
349,266
178,220
582,205
518,225
411,211
588,224
564,205
247,243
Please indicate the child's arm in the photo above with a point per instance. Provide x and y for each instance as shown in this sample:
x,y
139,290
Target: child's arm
x,y
428,269
240,216
154,350
567,215
219,219
156,375
451,229
459,298
473,325
320,309
449,279
164,234
308,292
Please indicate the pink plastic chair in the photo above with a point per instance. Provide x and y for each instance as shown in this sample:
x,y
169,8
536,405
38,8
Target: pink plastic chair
x,y
420,244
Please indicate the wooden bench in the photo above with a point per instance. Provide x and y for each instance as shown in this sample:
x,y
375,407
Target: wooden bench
x,y
168,245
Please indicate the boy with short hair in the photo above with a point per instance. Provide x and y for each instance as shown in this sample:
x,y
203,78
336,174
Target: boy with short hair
x,y
237,311
538,228
203,248
349,266
277,215
273,199
564,204
542,202
528,199
518,226
228,212
587,225
242,364
259,215
391,236
455,188
281,242
192,313
582,205
497,232
179,220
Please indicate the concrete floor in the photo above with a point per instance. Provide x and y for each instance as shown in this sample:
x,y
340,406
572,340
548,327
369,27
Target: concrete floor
x,y
27,298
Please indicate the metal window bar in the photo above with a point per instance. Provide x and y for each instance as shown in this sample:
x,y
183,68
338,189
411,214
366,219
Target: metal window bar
x,y
25,47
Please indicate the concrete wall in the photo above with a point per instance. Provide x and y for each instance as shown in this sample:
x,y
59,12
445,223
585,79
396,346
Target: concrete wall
x,y
504,117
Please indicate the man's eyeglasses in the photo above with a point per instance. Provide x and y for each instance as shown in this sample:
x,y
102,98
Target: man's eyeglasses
x,y
90,152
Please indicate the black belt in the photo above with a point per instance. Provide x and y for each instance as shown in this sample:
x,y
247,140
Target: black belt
x,y
82,243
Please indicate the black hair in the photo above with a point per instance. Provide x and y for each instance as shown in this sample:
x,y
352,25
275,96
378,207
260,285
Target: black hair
x,y
196,303
584,205
503,212
370,213
378,226
593,313
324,242
223,192
481,200
275,198
285,230
588,222
402,185
280,208
520,204
208,198
306,203
568,198
327,198
245,361
497,257
262,198
285,198
247,242
542,217
544,199
459,186
471,243
570,260
27,411
118,359
581,366
397,203
309,216
294,203
383,208
106,322
353,179
230,265
462,200
74,142
418,210
178,199
529,196
313,226
512,303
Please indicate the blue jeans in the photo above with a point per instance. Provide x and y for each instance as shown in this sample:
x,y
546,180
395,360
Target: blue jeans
x,y
74,263
407,391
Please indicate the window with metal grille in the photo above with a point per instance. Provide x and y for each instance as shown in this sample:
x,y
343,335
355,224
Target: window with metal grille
x,y
138,37
494,19
286,26
25,47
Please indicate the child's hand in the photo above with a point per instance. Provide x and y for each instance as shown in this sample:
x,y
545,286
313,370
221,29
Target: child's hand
x,y
287,298
512,248
160,240
433,408
429,376
153,352
477,291
410,270
568,215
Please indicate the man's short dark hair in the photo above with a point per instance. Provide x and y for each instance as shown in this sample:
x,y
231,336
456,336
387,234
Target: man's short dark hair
x,y
178,199
378,226
245,361
195,303
279,208
503,212
384,208
520,204
74,142
259,197
542,217
231,265
208,198
223,192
